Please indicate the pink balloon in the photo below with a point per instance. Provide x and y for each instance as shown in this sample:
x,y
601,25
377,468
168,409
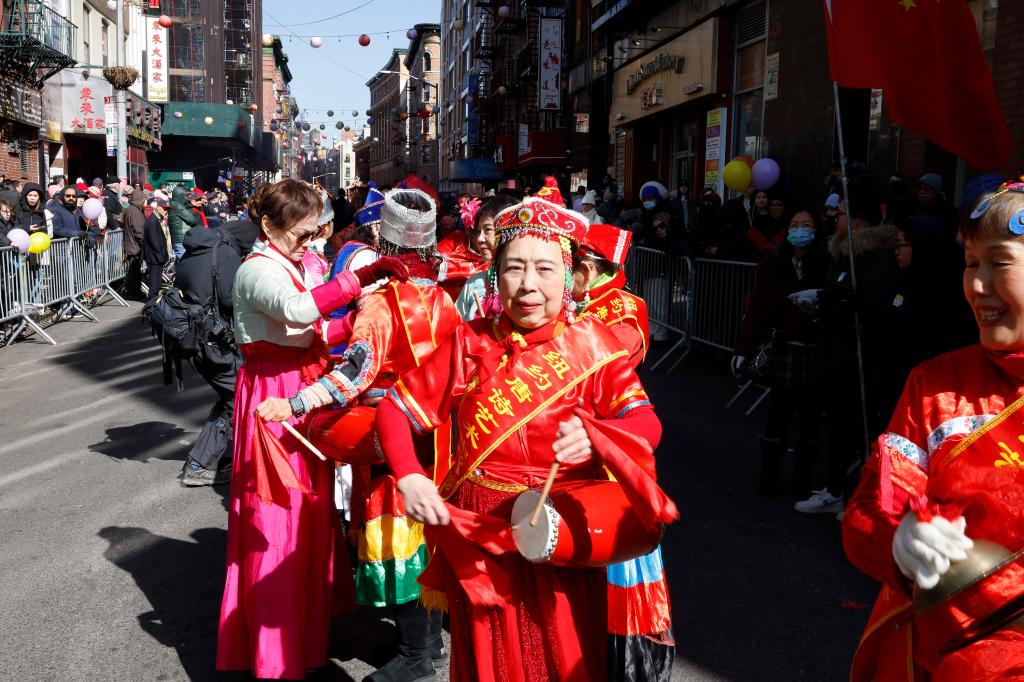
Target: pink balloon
x,y
19,239
92,208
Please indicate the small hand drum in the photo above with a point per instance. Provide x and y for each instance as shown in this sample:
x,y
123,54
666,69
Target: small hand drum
x,y
583,524
346,435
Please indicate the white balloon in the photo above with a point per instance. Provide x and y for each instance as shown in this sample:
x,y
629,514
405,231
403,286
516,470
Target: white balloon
x,y
92,208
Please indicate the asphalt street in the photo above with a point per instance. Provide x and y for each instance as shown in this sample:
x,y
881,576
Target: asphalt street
x,y
113,571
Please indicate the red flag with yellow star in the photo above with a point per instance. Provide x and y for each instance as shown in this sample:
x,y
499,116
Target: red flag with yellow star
x,y
926,57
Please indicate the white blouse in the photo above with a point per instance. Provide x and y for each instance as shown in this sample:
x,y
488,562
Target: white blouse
x,y
268,305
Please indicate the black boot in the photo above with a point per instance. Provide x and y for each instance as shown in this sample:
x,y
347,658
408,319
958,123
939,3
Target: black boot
x,y
435,642
412,664
772,452
807,452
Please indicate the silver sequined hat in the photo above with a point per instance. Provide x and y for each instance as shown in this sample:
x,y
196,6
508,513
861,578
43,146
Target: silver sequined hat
x,y
406,227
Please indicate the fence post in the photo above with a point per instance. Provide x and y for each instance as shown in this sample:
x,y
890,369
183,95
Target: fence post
x,y
23,295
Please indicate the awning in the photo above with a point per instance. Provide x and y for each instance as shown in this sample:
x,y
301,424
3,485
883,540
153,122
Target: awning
x,y
226,121
475,169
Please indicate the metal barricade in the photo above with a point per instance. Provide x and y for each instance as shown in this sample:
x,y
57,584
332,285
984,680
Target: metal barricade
x,y
38,289
720,292
664,282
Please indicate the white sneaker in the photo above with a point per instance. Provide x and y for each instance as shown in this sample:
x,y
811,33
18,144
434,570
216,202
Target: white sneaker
x,y
820,502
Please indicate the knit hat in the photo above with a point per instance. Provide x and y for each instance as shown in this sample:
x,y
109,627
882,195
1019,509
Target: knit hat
x,y
653,190
95,192
197,193
80,184
113,180
590,198
405,227
97,182
160,200
933,180
550,192
369,214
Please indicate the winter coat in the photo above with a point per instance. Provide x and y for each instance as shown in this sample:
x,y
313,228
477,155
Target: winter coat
x,y
878,279
65,223
181,218
134,224
194,273
29,220
6,227
770,308
115,211
154,244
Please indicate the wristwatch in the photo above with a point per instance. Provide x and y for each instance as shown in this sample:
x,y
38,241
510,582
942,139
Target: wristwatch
x,y
298,407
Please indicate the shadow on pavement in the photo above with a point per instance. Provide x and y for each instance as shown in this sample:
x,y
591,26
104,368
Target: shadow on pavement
x,y
183,582
143,442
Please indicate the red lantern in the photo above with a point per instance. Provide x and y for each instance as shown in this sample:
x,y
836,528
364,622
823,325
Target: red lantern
x,y
404,116
165,21
364,40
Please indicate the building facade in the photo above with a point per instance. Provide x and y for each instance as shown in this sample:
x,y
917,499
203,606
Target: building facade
x,y
37,42
421,101
389,151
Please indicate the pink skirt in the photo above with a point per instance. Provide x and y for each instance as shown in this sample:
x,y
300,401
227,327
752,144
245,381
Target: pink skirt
x,y
277,605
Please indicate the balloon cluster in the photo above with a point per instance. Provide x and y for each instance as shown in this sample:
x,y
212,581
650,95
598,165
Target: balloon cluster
x,y
37,242
743,172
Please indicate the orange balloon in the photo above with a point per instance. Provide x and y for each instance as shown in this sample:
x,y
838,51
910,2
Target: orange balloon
x,y
745,159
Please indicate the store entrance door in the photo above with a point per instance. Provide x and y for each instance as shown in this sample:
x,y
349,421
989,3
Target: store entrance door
x,y
684,144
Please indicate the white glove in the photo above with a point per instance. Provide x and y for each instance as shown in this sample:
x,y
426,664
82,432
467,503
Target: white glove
x,y
806,300
923,551
736,365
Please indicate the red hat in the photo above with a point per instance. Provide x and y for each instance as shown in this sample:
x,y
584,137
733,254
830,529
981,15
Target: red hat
x,y
148,187
80,185
608,242
550,192
196,192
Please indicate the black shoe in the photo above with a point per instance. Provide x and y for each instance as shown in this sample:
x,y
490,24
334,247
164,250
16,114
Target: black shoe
x,y
193,475
403,669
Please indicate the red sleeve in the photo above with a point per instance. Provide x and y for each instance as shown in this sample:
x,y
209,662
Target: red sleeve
x,y
427,394
892,476
644,423
395,433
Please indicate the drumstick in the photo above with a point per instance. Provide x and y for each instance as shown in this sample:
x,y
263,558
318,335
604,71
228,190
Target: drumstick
x,y
301,439
479,304
544,494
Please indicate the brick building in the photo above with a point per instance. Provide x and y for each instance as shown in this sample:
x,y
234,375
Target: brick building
x,y
421,100
389,148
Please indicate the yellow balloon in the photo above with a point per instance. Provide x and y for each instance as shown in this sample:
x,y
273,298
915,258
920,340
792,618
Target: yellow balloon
x,y
38,242
737,175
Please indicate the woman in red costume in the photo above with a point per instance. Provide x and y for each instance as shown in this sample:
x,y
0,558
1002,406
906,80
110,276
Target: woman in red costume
x,y
276,609
528,388
938,517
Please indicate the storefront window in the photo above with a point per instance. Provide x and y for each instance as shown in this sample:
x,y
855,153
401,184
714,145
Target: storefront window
x,y
749,114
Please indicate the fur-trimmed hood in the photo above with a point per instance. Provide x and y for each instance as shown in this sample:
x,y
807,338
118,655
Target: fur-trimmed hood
x,y
867,240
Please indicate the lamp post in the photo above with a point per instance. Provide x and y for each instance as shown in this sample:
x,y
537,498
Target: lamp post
x,y
119,101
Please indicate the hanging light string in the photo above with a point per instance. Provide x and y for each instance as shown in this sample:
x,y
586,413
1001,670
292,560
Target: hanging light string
x,y
320,21
346,35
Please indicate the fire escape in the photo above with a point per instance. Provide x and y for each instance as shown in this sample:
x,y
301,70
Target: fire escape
x,y
239,57
35,42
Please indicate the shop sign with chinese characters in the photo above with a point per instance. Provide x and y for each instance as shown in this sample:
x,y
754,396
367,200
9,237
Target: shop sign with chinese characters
x,y
550,56
82,104
20,103
156,56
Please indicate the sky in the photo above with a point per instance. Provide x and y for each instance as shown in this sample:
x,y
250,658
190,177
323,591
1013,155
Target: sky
x,y
334,76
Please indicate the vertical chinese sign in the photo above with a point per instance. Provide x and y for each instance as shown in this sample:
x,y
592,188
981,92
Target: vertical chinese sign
x,y
550,75
714,144
156,56
110,112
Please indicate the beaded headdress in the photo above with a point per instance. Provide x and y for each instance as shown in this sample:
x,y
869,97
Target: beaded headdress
x,y
1016,222
538,217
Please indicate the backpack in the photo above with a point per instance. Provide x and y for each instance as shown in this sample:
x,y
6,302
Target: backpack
x,y
190,331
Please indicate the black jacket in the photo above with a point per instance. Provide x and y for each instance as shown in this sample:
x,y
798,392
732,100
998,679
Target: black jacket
x,y
112,204
194,273
32,221
154,244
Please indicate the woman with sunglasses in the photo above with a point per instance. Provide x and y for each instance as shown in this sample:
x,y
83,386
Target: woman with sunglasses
x,y
276,608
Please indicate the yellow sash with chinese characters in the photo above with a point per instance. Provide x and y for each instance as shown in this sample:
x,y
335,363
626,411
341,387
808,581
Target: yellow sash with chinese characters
x,y
494,410
615,306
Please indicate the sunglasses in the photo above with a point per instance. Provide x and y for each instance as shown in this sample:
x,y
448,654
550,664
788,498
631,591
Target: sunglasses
x,y
308,237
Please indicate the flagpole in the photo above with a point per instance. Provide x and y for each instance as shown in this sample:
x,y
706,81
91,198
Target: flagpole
x,y
853,278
